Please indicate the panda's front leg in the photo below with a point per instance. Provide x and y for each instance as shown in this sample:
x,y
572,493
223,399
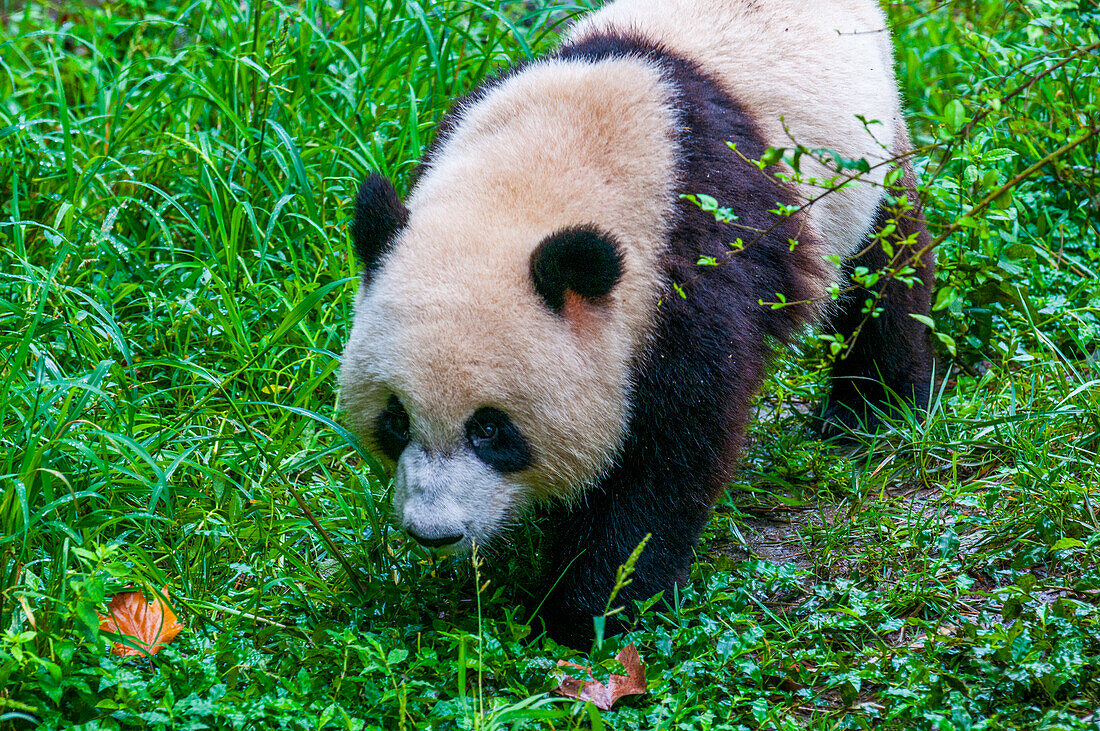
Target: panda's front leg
x,y
664,486
593,537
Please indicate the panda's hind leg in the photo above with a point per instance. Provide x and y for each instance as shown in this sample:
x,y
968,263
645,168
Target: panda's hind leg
x,y
887,362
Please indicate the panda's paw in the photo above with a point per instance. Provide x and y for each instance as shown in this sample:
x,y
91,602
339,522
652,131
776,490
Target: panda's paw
x,y
577,629
853,418
836,420
567,628
579,636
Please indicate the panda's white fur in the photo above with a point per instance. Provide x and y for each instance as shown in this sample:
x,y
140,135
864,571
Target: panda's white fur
x,y
450,322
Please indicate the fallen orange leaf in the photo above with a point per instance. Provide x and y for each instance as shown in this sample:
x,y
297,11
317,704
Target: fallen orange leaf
x,y
604,696
151,624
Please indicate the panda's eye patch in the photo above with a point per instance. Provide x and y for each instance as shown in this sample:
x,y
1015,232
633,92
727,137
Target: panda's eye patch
x,y
392,429
496,440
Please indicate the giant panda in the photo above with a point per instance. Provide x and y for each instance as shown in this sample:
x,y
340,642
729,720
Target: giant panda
x,y
533,325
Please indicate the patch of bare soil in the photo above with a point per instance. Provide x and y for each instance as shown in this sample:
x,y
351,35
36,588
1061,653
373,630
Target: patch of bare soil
x,y
782,534
774,536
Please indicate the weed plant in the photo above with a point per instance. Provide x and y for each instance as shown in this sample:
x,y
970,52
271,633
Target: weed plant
x,y
176,281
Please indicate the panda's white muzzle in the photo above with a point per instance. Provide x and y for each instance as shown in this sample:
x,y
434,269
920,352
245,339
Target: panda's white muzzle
x,y
449,501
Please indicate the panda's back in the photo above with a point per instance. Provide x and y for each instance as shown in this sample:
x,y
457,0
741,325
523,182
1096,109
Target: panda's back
x,y
805,71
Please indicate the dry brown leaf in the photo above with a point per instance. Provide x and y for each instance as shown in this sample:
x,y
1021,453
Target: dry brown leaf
x,y
151,624
941,632
604,696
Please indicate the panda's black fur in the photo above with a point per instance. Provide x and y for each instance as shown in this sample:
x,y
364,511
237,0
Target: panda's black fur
x,y
709,348
706,362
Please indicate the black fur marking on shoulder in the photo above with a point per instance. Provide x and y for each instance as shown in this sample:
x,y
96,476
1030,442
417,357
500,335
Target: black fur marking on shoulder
x,y
379,216
497,441
706,360
602,46
579,259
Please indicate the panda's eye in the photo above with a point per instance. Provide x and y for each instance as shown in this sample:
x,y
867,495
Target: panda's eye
x,y
392,429
482,432
496,440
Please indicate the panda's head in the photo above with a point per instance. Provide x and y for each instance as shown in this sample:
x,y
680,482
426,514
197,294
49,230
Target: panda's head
x,y
481,374
503,305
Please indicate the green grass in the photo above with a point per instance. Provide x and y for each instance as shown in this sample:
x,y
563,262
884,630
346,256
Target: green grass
x,y
175,289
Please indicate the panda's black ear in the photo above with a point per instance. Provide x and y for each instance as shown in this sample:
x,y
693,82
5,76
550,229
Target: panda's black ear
x,y
581,259
379,215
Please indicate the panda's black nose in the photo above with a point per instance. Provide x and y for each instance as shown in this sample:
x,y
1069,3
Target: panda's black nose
x,y
433,538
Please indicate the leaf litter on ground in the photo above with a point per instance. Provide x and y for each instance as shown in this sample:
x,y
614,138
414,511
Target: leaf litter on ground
x,y
604,695
149,625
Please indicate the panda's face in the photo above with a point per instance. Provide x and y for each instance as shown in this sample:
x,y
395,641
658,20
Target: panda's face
x,y
426,500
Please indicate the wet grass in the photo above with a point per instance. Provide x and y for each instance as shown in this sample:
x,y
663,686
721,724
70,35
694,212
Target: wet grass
x,y
175,289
